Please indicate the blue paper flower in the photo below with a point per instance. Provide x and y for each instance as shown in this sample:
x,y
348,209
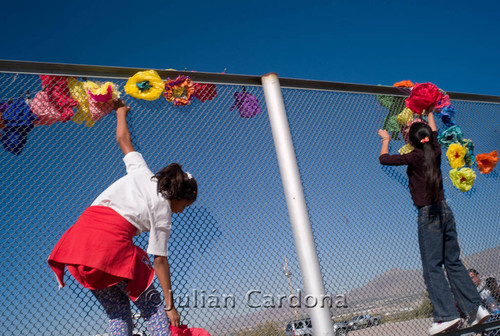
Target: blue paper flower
x,y
447,114
450,135
469,156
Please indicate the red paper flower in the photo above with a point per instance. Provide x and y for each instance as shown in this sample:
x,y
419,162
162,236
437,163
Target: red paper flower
x,y
204,91
423,97
486,162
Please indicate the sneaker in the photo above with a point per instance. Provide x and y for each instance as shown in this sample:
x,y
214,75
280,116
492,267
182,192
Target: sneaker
x,y
481,316
439,327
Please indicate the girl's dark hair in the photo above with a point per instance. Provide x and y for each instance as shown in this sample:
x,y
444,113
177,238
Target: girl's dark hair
x,y
173,183
419,131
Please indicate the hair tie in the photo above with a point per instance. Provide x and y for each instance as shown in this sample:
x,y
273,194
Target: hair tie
x,y
424,140
188,175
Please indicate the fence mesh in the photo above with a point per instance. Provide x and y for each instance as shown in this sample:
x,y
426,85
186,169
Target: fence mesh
x,y
228,250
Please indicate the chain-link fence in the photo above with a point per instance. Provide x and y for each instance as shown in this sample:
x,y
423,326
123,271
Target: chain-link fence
x,y
233,261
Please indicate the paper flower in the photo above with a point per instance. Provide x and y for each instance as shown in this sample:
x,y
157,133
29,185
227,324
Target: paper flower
x,y
247,104
469,156
447,114
46,112
18,119
405,116
3,108
443,102
204,91
450,135
58,95
82,114
405,130
405,83
463,179
101,98
406,149
101,93
456,154
486,162
179,91
423,97
395,105
146,85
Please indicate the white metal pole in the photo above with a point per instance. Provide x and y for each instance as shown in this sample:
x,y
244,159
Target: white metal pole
x,y
296,203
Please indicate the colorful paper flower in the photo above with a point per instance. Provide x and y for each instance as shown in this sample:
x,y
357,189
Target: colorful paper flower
x,y
82,114
58,95
406,149
450,135
101,93
204,91
469,156
486,162
423,97
395,105
447,114
179,91
18,119
405,116
146,85
3,108
456,154
247,104
443,102
405,83
405,130
463,179
46,112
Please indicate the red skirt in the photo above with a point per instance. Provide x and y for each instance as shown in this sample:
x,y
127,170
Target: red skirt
x,y
99,252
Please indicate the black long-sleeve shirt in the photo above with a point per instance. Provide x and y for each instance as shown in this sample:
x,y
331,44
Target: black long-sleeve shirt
x,y
416,171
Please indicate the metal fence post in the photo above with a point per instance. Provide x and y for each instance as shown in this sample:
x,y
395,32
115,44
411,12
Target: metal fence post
x,y
299,217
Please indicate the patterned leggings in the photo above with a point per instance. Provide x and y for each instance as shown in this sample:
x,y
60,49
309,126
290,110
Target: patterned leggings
x,y
117,305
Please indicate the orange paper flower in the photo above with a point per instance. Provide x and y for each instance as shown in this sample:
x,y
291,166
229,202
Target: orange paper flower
x,y
486,162
405,83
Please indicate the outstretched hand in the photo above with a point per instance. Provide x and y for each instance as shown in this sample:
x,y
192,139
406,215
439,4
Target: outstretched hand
x,y
120,107
383,133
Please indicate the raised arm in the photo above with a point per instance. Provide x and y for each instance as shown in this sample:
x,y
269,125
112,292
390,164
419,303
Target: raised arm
x,y
122,133
386,138
432,122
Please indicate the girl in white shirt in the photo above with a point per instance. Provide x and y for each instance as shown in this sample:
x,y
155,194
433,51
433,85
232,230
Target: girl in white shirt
x,y
98,249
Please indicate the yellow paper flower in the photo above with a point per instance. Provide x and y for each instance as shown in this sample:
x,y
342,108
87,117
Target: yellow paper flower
x,y
101,93
146,85
463,179
456,155
78,93
405,116
406,149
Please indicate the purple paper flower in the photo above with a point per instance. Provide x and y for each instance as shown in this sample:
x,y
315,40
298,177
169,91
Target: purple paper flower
x,y
247,104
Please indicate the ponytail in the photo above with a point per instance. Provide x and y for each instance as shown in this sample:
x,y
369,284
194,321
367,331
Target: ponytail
x,y
419,136
173,183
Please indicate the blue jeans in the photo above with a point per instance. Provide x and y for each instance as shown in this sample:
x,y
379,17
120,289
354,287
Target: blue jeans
x,y
437,237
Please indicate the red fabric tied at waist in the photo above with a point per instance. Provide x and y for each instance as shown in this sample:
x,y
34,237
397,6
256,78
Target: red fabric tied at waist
x,y
99,252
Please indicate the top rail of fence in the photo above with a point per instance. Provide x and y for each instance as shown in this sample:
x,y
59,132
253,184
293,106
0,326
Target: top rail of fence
x,y
79,70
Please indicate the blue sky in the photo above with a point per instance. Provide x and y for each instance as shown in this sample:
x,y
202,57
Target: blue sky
x,y
453,44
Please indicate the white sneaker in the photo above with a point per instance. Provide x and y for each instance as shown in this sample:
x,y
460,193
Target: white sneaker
x,y
439,327
481,316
